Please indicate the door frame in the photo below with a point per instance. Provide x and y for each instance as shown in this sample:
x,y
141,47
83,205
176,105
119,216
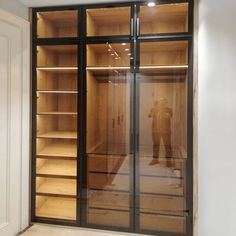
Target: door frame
x,y
24,27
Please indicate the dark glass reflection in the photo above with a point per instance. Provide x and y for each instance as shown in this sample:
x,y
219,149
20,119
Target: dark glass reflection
x,y
163,136
161,116
108,135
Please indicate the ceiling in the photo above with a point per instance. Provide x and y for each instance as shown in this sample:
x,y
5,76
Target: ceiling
x,y
39,3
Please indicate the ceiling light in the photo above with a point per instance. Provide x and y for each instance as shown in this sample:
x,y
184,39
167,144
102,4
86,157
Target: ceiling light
x,y
127,49
123,44
151,4
129,54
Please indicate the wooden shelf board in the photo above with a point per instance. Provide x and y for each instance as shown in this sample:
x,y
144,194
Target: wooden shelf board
x,y
106,68
58,91
167,67
61,150
57,168
58,69
57,186
58,134
58,113
59,208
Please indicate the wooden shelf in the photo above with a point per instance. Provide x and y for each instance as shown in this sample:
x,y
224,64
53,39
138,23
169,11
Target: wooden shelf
x,y
59,134
58,91
58,113
58,69
56,186
59,208
59,150
56,168
165,67
105,68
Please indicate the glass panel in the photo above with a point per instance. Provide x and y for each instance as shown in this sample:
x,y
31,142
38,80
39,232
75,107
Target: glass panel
x,y
56,133
108,55
57,24
163,135
166,18
108,134
108,21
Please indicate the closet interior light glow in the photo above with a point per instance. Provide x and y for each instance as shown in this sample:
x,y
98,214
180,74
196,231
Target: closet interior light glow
x,y
151,4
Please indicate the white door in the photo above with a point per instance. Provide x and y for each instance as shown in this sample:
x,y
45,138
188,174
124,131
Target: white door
x,y
14,124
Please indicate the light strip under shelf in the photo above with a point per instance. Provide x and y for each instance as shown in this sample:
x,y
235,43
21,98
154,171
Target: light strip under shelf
x,y
108,68
165,67
141,67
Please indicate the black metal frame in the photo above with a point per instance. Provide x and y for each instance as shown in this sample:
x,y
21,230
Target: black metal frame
x,y
134,39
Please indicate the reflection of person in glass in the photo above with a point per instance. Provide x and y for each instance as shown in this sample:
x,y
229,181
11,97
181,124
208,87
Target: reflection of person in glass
x,y
161,129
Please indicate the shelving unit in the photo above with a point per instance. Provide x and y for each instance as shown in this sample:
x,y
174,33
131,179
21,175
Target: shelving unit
x,y
112,117
57,135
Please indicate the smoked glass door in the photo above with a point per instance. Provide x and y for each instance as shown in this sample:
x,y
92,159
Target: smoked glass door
x,y
163,81
109,158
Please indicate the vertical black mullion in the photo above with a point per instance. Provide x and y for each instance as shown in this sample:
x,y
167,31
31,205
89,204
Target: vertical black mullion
x,y
189,164
190,17
132,134
83,121
136,122
34,118
79,177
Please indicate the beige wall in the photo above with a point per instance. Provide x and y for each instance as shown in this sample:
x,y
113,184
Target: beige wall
x,y
15,7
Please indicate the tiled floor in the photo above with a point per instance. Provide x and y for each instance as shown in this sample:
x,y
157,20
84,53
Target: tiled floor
x,y
51,230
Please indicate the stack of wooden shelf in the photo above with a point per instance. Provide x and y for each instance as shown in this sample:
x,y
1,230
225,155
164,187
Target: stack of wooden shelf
x,y
56,137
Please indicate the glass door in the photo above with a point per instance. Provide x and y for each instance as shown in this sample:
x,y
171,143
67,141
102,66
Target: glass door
x,y
163,82
109,158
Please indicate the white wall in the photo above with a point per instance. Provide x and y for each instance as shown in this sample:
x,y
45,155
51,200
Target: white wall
x,y
217,118
15,7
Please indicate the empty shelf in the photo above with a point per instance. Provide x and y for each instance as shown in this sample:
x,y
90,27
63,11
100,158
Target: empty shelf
x,y
59,150
56,186
58,168
60,208
59,134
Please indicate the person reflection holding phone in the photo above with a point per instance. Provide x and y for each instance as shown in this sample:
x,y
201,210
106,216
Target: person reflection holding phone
x,y
161,116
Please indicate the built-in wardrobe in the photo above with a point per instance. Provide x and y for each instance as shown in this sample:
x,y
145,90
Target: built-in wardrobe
x,y
112,111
